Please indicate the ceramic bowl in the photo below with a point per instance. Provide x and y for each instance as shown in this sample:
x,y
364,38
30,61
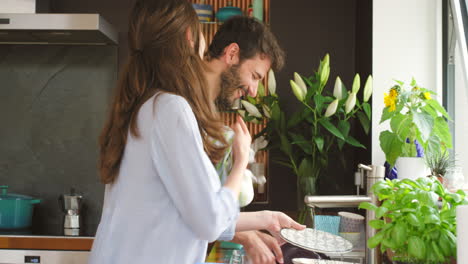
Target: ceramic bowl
x,y
353,237
351,222
327,223
204,12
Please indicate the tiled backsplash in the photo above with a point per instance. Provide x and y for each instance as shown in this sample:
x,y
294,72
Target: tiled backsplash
x,y
53,103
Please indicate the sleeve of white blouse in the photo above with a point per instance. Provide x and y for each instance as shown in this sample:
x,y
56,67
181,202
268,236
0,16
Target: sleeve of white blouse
x,y
209,209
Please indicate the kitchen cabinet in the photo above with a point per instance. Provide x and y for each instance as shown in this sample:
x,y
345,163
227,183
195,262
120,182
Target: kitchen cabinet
x,y
43,249
209,29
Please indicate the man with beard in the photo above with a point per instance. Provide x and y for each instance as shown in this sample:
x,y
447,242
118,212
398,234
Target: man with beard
x,y
242,52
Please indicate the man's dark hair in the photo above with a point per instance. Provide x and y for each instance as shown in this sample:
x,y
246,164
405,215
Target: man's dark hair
x,y
252,36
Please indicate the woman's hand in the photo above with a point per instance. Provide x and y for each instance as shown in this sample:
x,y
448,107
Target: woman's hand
x,y
241,144
278,221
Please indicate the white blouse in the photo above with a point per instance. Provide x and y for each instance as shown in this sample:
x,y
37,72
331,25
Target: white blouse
x,y
167,202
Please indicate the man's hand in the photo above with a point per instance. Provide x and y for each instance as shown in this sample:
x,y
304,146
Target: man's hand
x,y
261,248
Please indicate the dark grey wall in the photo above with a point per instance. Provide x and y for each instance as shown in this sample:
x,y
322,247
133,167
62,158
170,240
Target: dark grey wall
x,y
307,31
52,108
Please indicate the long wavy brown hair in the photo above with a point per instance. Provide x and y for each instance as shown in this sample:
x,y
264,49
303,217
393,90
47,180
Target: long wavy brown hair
x,y
161,59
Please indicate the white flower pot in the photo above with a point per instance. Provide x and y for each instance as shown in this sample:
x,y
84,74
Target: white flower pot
x,y
411,168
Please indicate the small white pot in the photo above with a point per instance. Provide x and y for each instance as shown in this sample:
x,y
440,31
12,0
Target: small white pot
x,y
411,168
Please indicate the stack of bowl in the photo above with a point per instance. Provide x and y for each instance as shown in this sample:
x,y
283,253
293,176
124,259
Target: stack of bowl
x,y
204,12
351,227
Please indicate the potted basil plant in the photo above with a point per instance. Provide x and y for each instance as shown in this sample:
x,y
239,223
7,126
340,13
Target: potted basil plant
x,y
413,226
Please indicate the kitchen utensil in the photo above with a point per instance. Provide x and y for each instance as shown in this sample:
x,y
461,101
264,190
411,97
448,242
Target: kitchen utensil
x,y
71,206
351,222
204,12
327,223
227,12
15,210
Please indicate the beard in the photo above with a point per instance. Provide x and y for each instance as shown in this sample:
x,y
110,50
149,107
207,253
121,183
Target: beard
x,y
230,83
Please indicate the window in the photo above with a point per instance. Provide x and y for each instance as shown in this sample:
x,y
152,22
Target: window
x,y
456,76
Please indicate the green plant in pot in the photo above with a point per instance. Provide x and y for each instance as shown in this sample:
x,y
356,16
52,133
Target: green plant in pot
x,y
416,121
439,163
412,224
321,124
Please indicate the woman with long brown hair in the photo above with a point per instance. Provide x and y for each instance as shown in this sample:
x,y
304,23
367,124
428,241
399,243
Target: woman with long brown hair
x,y
163,200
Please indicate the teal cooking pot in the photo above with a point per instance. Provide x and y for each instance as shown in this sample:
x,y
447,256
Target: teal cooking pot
x,y
15,209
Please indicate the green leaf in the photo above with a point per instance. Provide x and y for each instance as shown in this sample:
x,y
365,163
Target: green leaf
x,y
399,234
344,127
261,89
305,168
386,114
301,142
401,125
434,104
295,119
275,112
320,100
413,82
353,142
331,128
285,145
319,142
367,109
431,219
251,100
442,131
376,224
424,122
416,247
413,220
375,240
391,145
368,206
365,122
380,212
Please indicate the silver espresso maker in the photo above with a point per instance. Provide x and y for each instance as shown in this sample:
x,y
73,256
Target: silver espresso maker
x,y
71,206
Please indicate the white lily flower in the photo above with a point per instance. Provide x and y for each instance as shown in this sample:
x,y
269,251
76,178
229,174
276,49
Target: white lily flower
x,y
300,82
252,109
297,91
350,102
266,111
338,90
271,82
368,87
356,83
331,109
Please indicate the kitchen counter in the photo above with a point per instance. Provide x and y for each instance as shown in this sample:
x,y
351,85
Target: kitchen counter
x,y
46,242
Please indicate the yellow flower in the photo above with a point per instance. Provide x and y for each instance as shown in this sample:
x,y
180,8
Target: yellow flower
x,y
393,93
387,100
390,99
427,95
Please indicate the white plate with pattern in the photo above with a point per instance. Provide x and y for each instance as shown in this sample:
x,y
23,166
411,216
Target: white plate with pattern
x,y
315,240
317,261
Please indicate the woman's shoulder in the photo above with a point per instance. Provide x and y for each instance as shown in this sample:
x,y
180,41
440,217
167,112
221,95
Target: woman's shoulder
x,y
171,100
171,106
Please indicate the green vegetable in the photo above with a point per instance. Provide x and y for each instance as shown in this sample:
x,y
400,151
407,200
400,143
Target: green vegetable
x,y
412,223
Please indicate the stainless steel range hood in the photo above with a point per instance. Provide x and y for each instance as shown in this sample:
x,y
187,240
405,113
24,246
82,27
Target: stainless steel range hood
x,y
73,29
